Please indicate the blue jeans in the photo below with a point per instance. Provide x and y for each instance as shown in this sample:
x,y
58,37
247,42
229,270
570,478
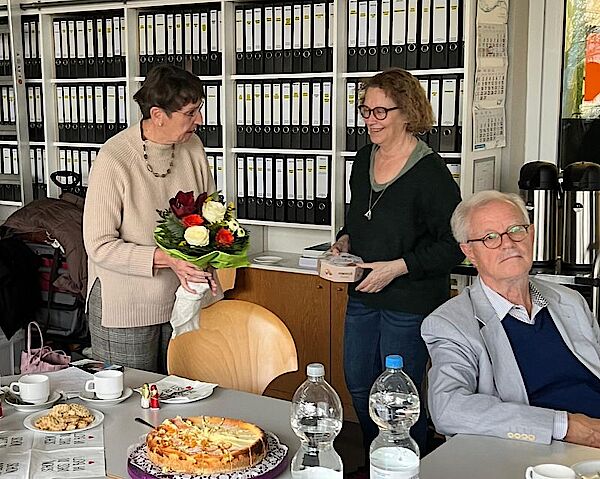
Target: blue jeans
x,y
369,336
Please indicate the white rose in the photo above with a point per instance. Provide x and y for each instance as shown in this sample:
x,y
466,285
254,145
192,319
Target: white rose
x,y
233,225
213,211
197,236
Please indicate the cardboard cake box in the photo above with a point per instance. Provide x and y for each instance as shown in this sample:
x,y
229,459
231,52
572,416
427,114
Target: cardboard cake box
x,y
342,268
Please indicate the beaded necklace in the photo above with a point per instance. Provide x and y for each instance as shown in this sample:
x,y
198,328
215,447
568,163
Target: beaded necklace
x,y
148,165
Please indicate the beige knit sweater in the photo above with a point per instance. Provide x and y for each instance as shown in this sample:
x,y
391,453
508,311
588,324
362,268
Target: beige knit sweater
x,y
119,219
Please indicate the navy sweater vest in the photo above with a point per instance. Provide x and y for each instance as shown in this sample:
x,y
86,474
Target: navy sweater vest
x,y
554,378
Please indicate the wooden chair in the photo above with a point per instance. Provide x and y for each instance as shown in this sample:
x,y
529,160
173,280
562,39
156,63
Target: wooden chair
x,y
239,345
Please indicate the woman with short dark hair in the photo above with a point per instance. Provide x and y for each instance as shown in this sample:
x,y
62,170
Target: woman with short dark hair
x,y
132,283
398,222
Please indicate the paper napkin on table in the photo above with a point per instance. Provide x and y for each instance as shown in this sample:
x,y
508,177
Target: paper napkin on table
x,y
174,389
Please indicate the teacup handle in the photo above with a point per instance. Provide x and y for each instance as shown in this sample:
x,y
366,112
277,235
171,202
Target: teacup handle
x,y
90,386
529,472
13,390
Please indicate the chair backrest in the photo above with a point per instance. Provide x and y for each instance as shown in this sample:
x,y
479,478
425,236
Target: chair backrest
x,y
239,345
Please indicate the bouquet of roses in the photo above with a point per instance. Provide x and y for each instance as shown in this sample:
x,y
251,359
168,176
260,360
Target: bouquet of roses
x,y
202,231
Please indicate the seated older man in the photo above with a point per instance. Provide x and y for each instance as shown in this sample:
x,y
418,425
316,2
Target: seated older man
x,y
512,356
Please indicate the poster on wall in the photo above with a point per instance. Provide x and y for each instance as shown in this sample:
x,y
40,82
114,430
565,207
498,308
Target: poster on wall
x,y
489,93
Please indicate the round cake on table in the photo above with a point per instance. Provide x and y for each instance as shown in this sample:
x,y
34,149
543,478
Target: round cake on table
x,y
206,445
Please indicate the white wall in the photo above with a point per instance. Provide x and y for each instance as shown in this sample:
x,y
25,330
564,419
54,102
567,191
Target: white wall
x,y
6,211
513,156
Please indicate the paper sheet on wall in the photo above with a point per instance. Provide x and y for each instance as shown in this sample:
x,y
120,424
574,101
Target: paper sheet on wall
x,y
489,92
492,40
490,87
489,129
492,11
484,174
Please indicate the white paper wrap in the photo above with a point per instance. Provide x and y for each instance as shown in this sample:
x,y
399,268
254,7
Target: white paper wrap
x,y
186,310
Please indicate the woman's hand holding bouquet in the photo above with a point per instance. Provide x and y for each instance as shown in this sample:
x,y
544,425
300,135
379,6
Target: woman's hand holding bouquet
x,y
195,234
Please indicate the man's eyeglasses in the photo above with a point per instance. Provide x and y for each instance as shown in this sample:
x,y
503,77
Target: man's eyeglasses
x,y
493,240
379,112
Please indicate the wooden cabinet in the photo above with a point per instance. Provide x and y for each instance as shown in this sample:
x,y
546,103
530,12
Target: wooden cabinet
x,y
313,309
337,313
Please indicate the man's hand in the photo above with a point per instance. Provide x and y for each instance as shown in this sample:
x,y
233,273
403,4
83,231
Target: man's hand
x,y
341,246
583,430
382,273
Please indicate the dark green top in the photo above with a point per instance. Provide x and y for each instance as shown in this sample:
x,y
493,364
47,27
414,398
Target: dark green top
x,y
411,220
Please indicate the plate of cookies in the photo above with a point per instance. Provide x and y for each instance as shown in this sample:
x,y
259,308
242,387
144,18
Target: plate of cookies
x,y
64,419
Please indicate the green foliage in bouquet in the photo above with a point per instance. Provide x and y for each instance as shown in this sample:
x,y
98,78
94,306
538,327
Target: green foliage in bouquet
x,y
202,231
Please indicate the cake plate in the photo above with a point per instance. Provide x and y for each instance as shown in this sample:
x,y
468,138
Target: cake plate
x,y
273,464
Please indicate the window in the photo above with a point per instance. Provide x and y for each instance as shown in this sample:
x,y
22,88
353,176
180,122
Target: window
x,y
579,137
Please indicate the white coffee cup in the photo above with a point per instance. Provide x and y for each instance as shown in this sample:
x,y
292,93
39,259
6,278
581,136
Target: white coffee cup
x,y
106,384
549,471
32,388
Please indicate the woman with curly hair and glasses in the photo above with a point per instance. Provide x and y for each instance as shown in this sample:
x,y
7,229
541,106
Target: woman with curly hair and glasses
x,y
398,222
132,283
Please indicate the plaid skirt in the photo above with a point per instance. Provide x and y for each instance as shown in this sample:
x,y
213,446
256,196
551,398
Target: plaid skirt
x,y
142,347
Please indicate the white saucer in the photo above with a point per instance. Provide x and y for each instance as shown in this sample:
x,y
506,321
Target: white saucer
x,y
267,259
29,422
588,469
92,398
54,397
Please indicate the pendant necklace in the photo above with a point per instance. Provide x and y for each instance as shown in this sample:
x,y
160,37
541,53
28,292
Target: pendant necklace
x,y
148,165
368,214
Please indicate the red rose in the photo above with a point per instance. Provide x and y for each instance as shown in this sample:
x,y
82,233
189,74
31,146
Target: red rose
x,y
224,237
183,204
192,220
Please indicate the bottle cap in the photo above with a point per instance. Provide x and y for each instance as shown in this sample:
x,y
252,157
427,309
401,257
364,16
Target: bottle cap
x,y
394,361
315,370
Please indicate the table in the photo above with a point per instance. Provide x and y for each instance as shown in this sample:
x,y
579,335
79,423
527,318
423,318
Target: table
x,y
464,456
120,429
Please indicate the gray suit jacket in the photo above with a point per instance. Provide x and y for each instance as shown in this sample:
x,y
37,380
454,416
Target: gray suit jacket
x,y
475,386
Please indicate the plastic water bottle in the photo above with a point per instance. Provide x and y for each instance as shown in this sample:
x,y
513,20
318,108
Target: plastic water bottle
x,y
394,407
316,419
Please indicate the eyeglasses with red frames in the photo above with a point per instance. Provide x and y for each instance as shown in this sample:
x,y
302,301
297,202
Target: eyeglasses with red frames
x,y
379,112
493,240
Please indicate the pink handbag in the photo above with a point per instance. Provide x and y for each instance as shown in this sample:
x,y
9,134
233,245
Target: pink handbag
x,y
43,359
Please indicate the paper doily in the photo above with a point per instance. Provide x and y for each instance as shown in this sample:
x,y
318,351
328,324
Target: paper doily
x,y
273,464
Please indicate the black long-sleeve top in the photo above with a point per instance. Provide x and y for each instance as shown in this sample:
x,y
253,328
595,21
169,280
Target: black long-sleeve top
x,y
410,221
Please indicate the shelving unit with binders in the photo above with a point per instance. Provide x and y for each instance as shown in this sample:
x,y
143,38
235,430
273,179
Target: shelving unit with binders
x,y
285,108
35,113
282,82
10,187
189,36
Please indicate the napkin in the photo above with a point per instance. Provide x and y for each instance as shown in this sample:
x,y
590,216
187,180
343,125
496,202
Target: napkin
x,y
174,389
185,316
